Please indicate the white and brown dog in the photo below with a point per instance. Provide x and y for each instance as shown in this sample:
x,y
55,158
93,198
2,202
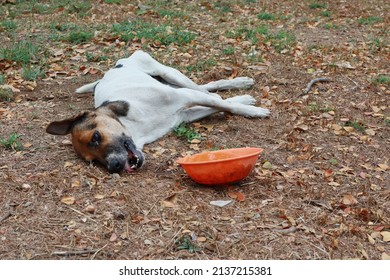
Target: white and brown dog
x,y
139,101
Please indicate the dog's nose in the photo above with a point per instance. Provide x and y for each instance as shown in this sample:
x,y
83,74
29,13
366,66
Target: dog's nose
x,y
115,166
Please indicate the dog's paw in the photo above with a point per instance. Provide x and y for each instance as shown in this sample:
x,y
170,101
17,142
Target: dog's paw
x,y
243,82
257,112
243,99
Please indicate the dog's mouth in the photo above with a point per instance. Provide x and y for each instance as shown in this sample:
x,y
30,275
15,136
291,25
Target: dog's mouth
x,y
134,158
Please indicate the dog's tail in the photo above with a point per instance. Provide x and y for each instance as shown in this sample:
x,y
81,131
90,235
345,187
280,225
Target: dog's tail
x,y
88,87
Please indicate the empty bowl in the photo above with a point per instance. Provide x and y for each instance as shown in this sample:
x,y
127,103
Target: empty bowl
x,y
222,166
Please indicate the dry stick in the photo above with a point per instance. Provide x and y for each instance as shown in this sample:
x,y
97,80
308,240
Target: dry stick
x,y
5,217
86,216
312,82
98,250
72,253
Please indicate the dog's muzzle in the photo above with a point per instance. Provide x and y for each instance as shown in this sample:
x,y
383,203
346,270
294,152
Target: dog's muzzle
x,y
129,159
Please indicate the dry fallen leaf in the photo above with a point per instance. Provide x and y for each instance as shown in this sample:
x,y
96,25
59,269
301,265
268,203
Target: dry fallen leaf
x,y
302,127
99,196
267,165
385,256
90,209
68,200
239,196
201,239
169,202
113,237
370,239
383,166
220,203
385,235
349,199
68,164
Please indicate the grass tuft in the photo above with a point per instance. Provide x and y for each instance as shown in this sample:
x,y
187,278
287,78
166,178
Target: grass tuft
x,y
163,34
381,80
369,20
266,16
6,94
12,142
184,130
23,52
317,5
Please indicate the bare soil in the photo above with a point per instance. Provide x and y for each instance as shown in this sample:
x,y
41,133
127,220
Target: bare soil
x,y
320,189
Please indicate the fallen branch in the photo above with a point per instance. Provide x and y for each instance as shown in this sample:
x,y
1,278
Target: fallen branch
x,y
73,253
285,230
312,82
5,217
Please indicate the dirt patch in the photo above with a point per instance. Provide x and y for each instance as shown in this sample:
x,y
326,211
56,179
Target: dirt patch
x,y
320,190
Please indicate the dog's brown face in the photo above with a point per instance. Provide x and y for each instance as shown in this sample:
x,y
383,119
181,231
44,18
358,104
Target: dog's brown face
x,y
100,136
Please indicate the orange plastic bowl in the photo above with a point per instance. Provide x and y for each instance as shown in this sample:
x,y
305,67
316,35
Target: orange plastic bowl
x,y
220,167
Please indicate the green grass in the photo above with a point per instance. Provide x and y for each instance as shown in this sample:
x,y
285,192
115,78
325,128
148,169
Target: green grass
x,y
184,130
91,57
2,79
377,44
12,142
8,25
78,36
283,39
223,6
185,243
387,122
202,66
165,35
317,5
266,16
113,2
229,50
325,13
31,72
39,8
80,8
6,94
359,126
23,52
381,80
371,20
330,26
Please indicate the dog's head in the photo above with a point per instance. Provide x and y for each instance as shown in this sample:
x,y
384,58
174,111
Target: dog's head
x,y
100,136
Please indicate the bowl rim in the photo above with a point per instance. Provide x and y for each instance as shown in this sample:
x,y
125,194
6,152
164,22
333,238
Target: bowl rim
x,y
257,151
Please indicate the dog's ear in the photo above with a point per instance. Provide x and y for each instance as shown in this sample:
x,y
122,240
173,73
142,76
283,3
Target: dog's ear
x,y
119,108
65,126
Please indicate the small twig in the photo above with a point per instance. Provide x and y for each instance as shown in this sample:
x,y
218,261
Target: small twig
x,y
5,217
97,251
356,84
312,82
82,214
285,230
79,252
86,216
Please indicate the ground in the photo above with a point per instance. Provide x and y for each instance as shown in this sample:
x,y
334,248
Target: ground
x,y
320,189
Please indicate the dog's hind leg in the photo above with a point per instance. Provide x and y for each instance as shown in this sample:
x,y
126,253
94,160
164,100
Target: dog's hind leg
x,y
199,112
87,88
236,83
155,69
196,98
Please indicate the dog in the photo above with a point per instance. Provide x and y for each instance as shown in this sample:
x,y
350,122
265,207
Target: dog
x,y
141,100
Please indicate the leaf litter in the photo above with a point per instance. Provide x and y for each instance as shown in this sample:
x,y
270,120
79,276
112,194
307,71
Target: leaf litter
x,y
319,190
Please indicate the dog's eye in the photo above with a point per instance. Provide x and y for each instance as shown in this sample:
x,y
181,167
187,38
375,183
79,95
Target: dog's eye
x,y
96,138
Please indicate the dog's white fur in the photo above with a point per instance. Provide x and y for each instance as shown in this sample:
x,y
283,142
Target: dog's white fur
x,y
157,107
